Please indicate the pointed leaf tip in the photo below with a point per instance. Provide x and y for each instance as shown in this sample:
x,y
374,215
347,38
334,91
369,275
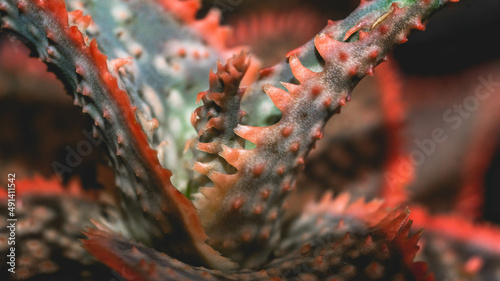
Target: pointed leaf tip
x,y
300,72
279,97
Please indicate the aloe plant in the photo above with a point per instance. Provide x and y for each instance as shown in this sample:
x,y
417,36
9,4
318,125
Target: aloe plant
x,y
139,68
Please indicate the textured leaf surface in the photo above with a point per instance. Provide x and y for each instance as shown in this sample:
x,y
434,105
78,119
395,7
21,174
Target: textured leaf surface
x,y
145,184
49,224
246,207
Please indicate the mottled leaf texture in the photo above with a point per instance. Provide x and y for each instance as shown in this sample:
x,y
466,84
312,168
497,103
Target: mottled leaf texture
x,y
138,69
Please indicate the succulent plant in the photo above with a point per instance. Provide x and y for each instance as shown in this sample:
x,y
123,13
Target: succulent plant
x,y
139,69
